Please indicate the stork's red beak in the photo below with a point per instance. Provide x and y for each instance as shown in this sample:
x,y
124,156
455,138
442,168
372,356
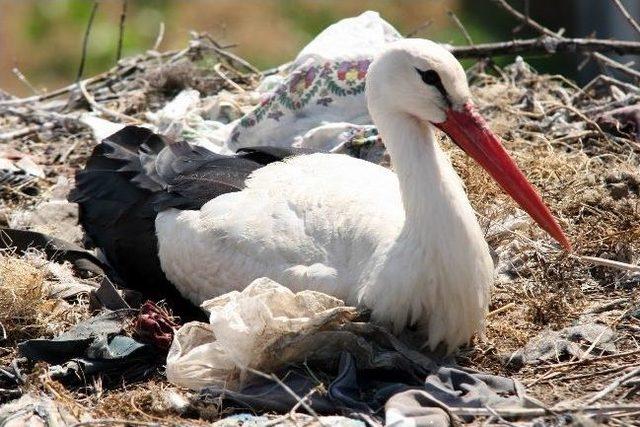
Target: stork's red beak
x,y
471,133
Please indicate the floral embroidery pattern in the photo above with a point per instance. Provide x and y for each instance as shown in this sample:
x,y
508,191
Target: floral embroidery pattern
x,y
318,83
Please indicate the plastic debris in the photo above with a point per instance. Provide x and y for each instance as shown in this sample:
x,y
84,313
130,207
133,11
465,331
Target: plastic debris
x,y
566,343
94,347
242,326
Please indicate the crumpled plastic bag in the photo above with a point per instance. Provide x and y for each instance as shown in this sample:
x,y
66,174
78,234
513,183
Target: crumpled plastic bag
x,y
242,326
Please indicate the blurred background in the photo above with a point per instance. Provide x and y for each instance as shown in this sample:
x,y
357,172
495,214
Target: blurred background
x,y
43,38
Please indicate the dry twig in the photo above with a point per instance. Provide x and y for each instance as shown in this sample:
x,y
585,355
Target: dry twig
x,y
123,17
627,15
159,38
525,19
419,29
616,65
300,400
463,30
85,41
549,45
611,387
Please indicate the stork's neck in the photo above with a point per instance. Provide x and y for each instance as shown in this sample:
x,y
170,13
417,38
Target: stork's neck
x,y
439,263
428,183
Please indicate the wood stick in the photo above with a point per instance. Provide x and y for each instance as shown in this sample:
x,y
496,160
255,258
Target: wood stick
x,y
613,386
609,263
546,45
85,41
160,37
518,412
114,114
19,133
419,29
16,71
289,391
525,19
616,65
463,30
123,17
627,15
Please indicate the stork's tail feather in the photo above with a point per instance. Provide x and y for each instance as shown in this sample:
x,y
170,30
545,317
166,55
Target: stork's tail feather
x,y
115,194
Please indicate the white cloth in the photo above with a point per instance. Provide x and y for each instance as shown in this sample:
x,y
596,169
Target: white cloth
x,y
325,85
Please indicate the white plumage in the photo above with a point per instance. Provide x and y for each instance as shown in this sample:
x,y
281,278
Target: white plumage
x,y
404,243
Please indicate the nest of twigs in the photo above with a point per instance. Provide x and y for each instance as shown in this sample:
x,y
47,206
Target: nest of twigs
x,y
583,159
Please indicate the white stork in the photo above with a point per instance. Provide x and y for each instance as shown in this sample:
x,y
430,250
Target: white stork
x,y
404,243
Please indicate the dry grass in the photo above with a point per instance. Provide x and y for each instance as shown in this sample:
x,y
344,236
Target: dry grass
x,y
573,163
25,310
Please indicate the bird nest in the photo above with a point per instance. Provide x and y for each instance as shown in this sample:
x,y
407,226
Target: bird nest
x,y
579,146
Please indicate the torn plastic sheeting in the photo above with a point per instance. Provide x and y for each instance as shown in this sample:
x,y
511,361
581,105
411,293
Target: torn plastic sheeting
x,y
93,347
566,343
243,325
77,340
55,249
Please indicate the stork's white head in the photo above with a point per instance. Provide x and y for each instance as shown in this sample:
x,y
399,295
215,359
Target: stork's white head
x,y
419,79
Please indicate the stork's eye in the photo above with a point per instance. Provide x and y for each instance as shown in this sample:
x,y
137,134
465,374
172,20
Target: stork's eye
x,y
431,78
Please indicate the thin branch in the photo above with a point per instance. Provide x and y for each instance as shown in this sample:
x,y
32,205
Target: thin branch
x,y
16,71
85,41
611,387
519,412
419,29
609,263
527,14
160,37
463,30
548,45
92,101
289,391
113,421
114,72
616,65
19,133
213,45
123,17
525,19
627,15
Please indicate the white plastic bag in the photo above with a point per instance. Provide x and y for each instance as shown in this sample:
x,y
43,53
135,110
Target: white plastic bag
x,y
242,326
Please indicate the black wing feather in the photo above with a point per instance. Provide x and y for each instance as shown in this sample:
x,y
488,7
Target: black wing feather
x,y
134,174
